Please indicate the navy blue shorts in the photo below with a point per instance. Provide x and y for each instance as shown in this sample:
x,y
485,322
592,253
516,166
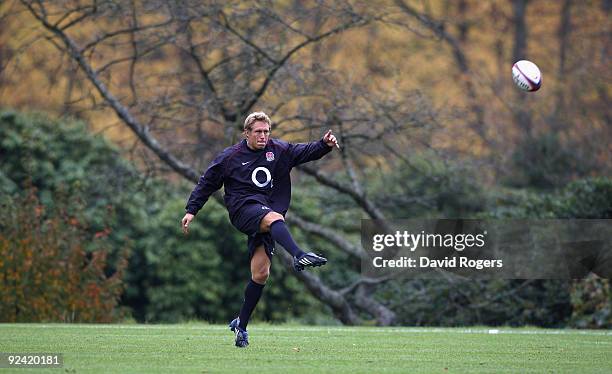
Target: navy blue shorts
x,y
247,220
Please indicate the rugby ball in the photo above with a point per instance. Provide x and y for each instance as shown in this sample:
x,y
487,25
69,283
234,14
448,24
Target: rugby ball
x,y
526,75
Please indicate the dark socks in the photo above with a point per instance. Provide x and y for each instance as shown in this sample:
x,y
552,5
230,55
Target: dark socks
x,y
280,234
252,293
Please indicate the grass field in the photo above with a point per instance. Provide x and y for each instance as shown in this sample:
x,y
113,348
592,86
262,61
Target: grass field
x,y
201,348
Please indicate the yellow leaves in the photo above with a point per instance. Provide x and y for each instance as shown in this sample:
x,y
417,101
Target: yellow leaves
x,y
400,53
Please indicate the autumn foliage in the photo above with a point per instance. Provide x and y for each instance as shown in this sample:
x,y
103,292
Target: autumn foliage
x,y
46,271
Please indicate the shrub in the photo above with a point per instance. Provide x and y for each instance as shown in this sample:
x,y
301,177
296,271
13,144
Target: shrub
x,y
46,274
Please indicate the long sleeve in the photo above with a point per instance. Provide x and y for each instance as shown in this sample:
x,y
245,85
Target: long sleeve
x,y
208,183
305,152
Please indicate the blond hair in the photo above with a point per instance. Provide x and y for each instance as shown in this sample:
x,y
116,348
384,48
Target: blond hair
x,y
254,117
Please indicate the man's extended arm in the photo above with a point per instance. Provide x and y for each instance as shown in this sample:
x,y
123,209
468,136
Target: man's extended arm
x,y
302,153
208,183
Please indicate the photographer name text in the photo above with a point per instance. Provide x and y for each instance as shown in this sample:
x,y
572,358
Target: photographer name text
x,y
423,240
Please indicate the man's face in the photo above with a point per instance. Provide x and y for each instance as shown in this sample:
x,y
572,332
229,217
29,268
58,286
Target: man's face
x,y
257,137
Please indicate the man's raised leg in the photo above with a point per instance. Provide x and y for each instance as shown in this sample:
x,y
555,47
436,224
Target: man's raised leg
x,y
274,223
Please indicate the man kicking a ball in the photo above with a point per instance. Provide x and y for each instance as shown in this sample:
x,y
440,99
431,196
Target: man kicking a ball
x,y
255,173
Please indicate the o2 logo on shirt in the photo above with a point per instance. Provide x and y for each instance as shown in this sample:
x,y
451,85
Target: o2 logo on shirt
x,y
266,172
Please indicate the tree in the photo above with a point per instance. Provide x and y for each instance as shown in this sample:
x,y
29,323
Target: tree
x,y
222,79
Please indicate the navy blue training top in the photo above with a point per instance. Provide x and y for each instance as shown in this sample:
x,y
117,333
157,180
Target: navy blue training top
x,y
254,175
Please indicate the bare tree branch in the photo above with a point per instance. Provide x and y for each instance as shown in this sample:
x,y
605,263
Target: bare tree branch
x,y
462,62
328,234
206,77
341,308
364,301
90,11
248,105
140,131
367,205
128,30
